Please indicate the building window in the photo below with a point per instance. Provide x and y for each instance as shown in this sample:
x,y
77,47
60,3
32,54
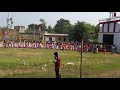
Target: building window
x,y
64,39
59,38
50,39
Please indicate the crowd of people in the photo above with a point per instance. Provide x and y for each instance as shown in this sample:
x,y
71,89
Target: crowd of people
x,y
53,45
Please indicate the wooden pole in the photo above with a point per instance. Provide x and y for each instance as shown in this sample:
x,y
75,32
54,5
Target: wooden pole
x,y
81,59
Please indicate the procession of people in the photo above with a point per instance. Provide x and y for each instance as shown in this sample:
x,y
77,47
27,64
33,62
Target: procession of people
x,y
87,47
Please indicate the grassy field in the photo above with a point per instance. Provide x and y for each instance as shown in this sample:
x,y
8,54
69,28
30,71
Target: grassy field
x,y
37,63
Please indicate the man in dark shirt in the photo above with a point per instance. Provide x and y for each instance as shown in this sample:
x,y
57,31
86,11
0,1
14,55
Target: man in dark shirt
x,y
57,65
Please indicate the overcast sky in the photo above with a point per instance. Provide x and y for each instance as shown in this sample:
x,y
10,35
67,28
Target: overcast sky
x,y
26,18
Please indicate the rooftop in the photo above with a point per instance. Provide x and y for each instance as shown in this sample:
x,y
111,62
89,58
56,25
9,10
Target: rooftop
x,y
51,34
109,19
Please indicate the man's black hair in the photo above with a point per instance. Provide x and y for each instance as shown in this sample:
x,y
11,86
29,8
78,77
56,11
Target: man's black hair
x,y
56,53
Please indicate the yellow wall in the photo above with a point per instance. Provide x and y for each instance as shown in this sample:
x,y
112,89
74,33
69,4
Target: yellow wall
x,y
29,37
62,39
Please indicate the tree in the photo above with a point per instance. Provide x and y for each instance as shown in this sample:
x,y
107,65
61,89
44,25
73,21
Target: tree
x,y
83,30
50,29
96,33
77,33
43,25
89,32
62,26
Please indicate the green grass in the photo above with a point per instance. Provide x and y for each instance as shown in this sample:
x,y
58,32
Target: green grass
x,y
30,63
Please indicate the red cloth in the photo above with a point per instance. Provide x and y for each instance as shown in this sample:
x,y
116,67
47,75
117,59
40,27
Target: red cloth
x,y
57,64
104,51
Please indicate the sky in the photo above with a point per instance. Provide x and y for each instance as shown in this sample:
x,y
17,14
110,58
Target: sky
x,y
26,18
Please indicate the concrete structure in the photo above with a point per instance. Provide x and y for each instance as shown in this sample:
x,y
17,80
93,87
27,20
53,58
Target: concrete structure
x,y
49,37
29,36
20,29
12,34
109,31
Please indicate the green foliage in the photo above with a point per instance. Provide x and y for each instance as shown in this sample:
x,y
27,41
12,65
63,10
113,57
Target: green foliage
x,y
50,29
43,25
78,31
82,30
96,32
62,26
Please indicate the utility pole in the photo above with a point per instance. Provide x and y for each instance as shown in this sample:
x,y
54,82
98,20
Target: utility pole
x,y
81,59
34,31
8,22
81,54
6,32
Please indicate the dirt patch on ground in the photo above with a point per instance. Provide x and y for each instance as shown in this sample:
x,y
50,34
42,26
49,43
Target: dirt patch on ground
x,y
17,71
116,55
109,74
3,52
27,53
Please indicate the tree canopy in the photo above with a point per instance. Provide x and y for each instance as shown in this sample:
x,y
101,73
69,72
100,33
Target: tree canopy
x,y
76,32
62,26
43,24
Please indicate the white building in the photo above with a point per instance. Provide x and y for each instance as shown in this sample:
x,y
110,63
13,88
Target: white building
x,y
49,37
20,29
109,31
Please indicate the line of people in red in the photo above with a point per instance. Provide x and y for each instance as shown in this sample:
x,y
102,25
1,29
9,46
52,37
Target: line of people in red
x,y
52,45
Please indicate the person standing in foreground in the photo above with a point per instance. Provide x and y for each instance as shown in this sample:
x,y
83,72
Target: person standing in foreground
x,y
57,65
104,50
